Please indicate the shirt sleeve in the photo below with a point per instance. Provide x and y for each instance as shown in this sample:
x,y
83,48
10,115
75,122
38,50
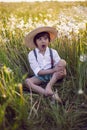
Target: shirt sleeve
x,y
33,63
56,57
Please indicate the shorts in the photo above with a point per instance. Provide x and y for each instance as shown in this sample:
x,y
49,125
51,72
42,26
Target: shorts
x,y
44,78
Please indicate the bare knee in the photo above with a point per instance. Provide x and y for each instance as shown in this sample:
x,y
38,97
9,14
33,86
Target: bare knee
x,y
27,83
62,63
61,66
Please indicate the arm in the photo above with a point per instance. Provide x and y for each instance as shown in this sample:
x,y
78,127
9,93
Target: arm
x,y
43,72
33,63
35,66
56,58
60,68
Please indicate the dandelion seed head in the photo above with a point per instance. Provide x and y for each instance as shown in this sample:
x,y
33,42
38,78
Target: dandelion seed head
x,y
83,58
4,96
80,91
69,20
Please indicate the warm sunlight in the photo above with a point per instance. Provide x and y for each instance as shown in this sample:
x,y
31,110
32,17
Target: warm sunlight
x,y
43,85
36,0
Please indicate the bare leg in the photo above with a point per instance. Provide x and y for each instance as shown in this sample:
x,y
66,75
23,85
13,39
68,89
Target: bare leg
x,y
59,74
33,84
55,77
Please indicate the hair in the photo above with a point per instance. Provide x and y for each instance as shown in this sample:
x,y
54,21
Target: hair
x,y
40,35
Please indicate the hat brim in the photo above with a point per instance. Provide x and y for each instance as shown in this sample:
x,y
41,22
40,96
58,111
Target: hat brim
x,y
29,38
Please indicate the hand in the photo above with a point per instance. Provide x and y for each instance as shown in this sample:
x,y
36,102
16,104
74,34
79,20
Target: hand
x,y
60,74
58,68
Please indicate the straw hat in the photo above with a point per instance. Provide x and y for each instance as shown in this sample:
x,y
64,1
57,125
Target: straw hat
x,y
29,39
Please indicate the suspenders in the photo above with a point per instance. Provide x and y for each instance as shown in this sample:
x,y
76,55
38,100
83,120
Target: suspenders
x,y
51,56
35,54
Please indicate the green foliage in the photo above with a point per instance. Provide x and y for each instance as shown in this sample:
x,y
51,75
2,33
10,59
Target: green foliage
x,y
20,110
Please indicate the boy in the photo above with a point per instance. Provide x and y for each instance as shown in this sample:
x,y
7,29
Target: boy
x,y
41,60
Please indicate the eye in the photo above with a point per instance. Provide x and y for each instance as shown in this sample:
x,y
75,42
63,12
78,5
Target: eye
x,y
39,38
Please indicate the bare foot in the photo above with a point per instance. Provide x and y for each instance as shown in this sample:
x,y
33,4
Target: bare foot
x,y
56,97
48,91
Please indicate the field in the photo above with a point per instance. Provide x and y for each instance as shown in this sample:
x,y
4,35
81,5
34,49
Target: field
x,y
20,110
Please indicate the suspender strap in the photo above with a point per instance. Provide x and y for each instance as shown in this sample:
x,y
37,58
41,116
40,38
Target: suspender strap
x,y
51,56
35,54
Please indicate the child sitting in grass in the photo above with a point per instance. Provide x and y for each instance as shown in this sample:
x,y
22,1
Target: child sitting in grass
x,y
45,62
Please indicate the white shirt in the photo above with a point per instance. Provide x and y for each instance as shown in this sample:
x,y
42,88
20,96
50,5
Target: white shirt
x,y
43,61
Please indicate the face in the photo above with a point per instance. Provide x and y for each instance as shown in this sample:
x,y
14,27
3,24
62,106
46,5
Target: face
x,y
42,42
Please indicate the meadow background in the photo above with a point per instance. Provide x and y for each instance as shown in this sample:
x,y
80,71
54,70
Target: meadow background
x,y
21,110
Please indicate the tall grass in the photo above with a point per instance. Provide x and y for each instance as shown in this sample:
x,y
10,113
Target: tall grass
x,y
21,110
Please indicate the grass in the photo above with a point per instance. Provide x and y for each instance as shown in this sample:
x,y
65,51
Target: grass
x,y
20,110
